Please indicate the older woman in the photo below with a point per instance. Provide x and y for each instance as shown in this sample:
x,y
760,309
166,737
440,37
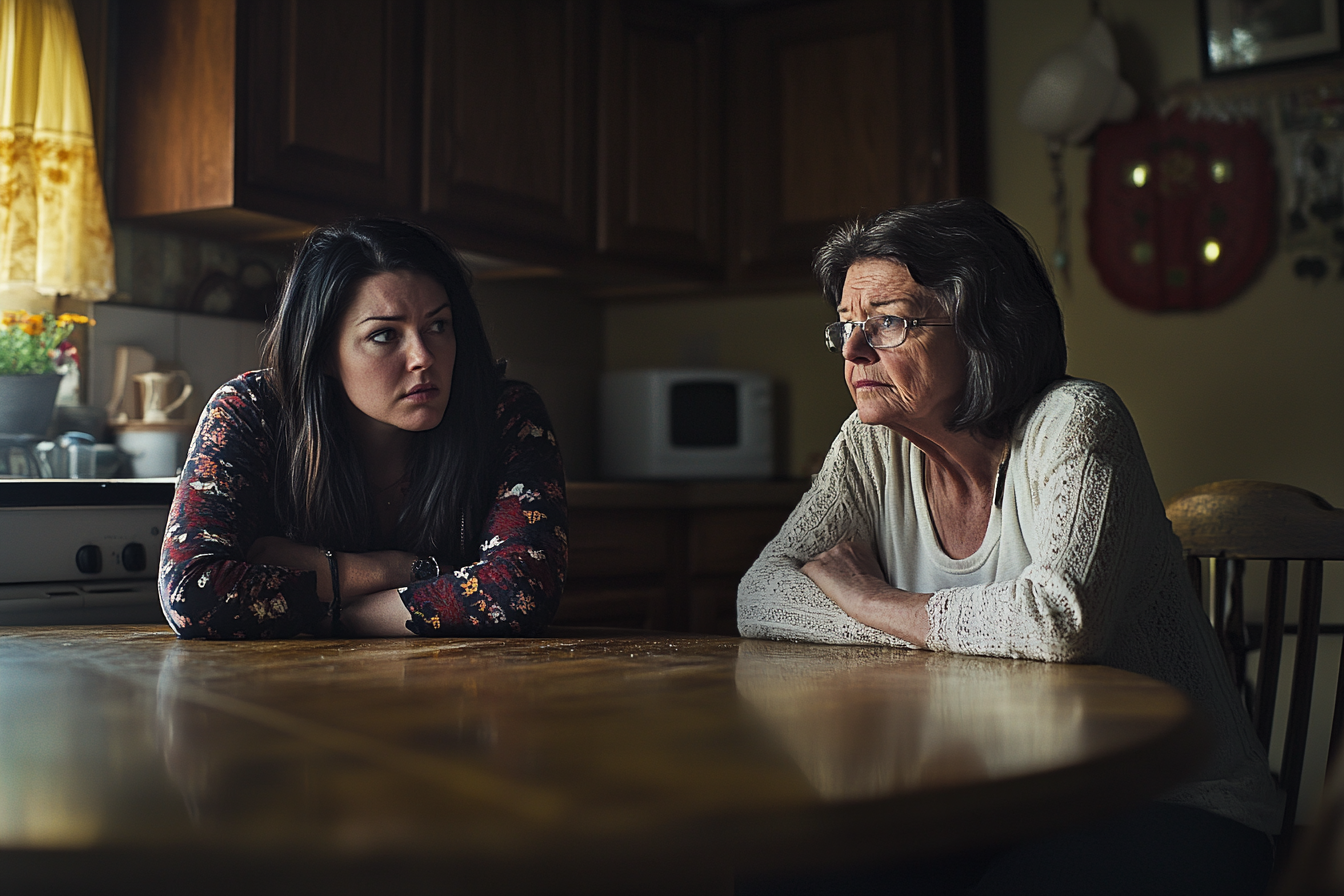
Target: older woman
x,y
979,501
379,477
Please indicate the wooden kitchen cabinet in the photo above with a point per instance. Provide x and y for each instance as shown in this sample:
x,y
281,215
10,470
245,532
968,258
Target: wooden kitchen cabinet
x,y
247,117
659,140
330,91
660,172
508,118
667,556
844,109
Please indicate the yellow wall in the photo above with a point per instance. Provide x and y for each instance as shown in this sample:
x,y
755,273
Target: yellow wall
x,y
1253,390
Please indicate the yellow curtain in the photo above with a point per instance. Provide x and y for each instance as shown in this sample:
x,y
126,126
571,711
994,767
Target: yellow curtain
x,y
54,233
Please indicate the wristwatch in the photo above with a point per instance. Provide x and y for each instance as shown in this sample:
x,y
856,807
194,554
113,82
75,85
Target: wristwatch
x,y
424,568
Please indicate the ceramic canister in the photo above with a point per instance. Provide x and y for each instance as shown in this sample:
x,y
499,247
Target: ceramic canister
x,y
154,451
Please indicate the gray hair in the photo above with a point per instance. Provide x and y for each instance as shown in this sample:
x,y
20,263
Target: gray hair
x,y
986,274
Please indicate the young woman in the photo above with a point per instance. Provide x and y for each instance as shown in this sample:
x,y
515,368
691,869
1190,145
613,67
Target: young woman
x,y
378,477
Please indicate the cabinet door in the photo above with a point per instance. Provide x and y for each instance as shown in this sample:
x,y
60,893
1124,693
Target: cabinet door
x,y
508,117
660,112
839,109
330,87
175,106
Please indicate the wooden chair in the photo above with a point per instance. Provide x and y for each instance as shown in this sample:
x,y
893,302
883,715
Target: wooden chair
x,y
1238,520
1316,865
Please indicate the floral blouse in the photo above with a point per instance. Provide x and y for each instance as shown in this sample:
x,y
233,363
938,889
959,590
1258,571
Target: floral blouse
x,y
224,502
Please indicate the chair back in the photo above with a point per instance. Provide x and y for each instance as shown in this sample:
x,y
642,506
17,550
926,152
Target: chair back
x,y
1229,523
1316,865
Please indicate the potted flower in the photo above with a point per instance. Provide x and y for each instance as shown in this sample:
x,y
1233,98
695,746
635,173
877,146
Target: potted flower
x,y
34,356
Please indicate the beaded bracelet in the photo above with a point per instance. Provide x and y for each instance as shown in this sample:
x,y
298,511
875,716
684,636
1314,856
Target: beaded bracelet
x,y
335,593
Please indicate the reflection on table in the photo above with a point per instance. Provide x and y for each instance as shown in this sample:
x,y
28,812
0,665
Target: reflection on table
x,y
583,759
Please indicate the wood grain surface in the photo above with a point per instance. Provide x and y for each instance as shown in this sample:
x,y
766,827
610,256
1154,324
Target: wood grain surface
x,y
589,760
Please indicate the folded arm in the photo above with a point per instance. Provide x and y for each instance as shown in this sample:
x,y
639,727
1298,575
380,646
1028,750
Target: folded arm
x,y
783,596
850,575
514,588
222,506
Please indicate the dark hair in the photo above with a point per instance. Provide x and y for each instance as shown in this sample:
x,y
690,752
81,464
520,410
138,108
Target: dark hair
x,y
319,483
986,274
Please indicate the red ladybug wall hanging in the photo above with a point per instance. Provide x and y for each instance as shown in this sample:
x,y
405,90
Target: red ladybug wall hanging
x,y
1181,212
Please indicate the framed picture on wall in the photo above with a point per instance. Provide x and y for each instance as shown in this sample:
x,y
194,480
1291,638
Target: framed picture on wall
x,y
1245,35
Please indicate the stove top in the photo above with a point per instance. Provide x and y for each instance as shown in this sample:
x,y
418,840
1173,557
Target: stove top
x,y
81,550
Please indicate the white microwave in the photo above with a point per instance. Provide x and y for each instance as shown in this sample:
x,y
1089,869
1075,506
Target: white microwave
x,y
686,424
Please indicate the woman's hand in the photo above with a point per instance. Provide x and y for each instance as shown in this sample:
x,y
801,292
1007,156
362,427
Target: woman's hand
x,y
851,577
377,615
846,566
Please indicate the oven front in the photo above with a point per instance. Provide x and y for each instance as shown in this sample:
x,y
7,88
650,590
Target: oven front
x,y
81,551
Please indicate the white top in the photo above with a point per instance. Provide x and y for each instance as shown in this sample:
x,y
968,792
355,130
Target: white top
x,y
1079,564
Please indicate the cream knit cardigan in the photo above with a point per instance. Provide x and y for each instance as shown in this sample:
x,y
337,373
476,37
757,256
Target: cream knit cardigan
x,y
1080,566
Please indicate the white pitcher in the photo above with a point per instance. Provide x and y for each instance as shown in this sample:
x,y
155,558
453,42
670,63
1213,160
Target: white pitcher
x,y
154,386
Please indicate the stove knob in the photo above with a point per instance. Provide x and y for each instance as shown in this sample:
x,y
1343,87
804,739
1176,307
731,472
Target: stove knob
x,y
89,559
133,557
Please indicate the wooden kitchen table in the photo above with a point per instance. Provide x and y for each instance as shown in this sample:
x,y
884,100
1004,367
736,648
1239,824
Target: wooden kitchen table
x,y
582,761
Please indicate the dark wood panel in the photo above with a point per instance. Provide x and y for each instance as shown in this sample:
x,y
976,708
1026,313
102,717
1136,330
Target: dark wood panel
x,y
660,132
609,604
331,87
648,554
542,131
175,106
728,541
714,605
508,116
617,542
839,125
337,80
838,110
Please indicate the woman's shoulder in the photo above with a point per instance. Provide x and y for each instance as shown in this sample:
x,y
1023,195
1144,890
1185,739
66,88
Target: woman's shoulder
x,y
252,388
248,401
513,392
867,445
519,407
1071,396
1073,408
519,398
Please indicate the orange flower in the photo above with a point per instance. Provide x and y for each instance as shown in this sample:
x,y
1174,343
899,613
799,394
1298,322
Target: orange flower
x,y
33,325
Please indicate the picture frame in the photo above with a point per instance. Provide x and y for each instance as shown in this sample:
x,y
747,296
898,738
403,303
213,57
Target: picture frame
x,y
1258,35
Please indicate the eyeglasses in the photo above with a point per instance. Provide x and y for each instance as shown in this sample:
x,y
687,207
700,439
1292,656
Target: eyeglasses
x,y
883,331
